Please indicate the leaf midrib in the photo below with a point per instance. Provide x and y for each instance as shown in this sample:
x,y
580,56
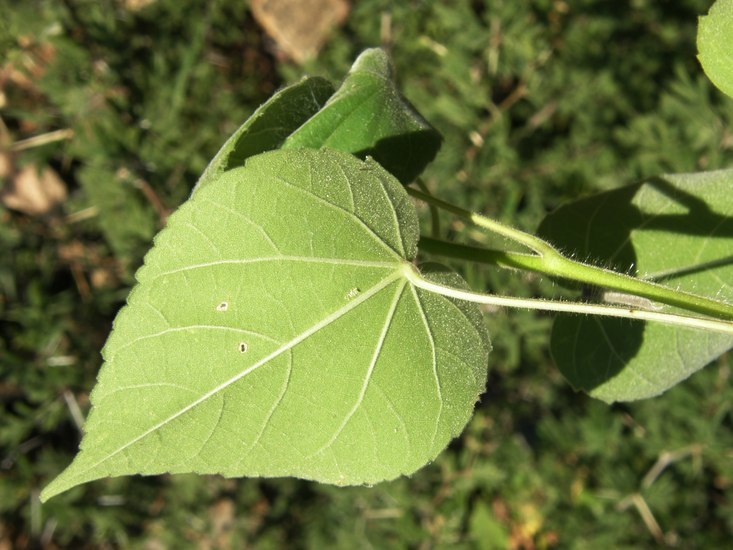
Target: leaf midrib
x,y
278,258
382,284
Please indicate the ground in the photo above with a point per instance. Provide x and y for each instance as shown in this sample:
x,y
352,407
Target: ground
x,y
111,110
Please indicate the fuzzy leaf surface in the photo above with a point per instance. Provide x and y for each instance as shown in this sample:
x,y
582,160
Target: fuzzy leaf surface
x,y
715,45
368,116
676,230
273,332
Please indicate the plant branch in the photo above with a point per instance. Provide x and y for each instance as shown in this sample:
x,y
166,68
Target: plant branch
x,y
530,241
687,321
549,261
434,213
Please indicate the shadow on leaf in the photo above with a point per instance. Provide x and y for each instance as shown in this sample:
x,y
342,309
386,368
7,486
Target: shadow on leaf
x,y
676,230
405,155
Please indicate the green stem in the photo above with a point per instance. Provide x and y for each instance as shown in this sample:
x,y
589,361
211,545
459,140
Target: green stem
x,y
687,321
530,241
549,261
490,256
434,213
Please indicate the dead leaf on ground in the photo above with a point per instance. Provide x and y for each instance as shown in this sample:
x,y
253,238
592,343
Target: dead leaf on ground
x,y
222,516
137,5
300,27
6,164
19,76
85,260
32,192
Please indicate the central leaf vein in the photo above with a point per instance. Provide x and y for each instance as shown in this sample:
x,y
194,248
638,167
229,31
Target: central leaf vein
x,y
279,351
303,259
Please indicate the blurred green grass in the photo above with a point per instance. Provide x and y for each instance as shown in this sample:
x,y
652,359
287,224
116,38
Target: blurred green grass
x,y
539,101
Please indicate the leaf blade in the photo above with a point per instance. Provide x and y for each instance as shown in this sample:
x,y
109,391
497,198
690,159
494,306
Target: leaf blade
x,y
715,45
286,366
269,125
675,229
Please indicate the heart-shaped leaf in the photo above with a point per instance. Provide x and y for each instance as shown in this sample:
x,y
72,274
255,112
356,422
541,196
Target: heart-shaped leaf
x,y
676,230
274,332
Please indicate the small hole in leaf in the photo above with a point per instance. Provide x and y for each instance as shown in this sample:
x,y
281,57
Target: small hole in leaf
x,y
222,306
243,347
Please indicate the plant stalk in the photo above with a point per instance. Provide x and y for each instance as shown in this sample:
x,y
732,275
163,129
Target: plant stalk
x,y
549,261
700,323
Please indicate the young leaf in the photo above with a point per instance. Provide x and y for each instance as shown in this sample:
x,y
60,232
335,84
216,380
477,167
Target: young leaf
x,y
715,45
367,116
676,230
269,125
274,332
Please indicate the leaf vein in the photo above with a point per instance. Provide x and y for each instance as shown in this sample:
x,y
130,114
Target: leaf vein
x,y
370,370
264,259
247,219
436,378
342,211
282,349
189,327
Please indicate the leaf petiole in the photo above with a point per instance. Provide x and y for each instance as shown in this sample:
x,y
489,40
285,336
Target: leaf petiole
x,y
530,241
687,321
549,261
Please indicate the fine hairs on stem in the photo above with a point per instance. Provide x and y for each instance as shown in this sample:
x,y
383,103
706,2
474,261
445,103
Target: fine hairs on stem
x,y
688,321
547,260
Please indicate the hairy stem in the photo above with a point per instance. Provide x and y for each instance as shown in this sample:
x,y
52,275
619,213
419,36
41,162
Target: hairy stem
x,y
549,261
530,241
687,321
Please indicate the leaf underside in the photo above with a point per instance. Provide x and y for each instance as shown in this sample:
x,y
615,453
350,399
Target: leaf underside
x,y
715,45
676,230
273,333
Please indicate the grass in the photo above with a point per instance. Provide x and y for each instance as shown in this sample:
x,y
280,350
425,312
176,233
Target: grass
x,y
539,101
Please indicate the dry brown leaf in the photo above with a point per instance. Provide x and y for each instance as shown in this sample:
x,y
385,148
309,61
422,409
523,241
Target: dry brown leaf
x,y
72,252
6,164
136,5
222,516
299,27
102,278
18,77
33,193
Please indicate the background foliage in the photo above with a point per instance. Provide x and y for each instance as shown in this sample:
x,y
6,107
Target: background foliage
x,y
539,101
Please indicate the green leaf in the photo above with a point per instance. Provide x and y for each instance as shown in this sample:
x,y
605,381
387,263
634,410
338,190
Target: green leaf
x,y
676,230
368,116
274,332
269,125
715,45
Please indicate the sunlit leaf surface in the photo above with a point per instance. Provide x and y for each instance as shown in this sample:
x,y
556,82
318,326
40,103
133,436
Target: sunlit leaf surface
x,y
715,45
273,333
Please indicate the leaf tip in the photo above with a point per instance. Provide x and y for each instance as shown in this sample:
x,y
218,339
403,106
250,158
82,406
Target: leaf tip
x,y
52,489
75,474
373,60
